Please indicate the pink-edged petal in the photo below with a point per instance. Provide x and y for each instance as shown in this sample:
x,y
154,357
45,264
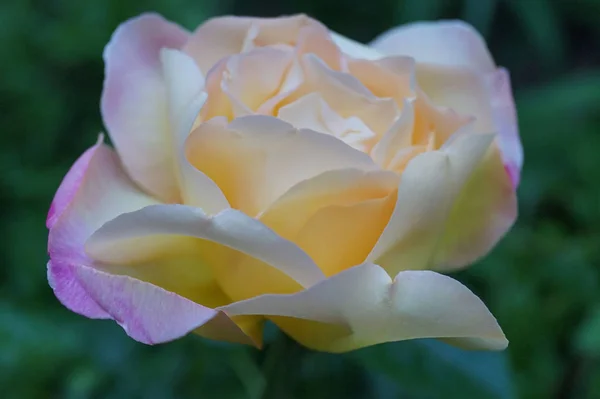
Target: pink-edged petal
x,y
486,97
70,292
277,263
256,158
104,192
429,187
100,192
504,115
134,103
69,185
373,309
150,314
449,43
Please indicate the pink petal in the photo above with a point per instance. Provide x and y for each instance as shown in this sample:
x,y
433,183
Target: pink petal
x,y
504,114
149,314
146,312
64,282
100,192
134,103
69,185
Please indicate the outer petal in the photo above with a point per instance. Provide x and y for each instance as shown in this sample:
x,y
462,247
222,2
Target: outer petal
x,y
487,97
103,192
134,102
280,266
365,307
485,210
150,314
504,114
69,185
98,173
430,186
449,43
255,159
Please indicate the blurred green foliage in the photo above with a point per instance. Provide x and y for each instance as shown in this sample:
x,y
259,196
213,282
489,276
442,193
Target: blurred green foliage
x,y
542,281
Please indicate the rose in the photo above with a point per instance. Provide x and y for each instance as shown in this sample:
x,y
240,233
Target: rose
x,y
271,169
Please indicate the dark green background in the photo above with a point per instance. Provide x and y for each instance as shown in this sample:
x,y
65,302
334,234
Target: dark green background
x,y
542,281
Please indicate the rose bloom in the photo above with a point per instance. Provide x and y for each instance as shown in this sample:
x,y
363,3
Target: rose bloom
x,y
269,169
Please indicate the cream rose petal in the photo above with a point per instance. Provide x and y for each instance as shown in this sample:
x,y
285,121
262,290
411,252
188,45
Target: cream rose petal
x,y
101,192
134,104
355,49
397,138
256,158
346,95
337,216
487,97
312,112
430,186
375,309
449,43
230,228
456,70
389,77
223,36
185,84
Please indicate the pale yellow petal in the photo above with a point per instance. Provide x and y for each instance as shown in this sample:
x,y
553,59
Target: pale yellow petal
x,y
345,94
312,112
430,186
335,217
245,257
255,159
362,306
